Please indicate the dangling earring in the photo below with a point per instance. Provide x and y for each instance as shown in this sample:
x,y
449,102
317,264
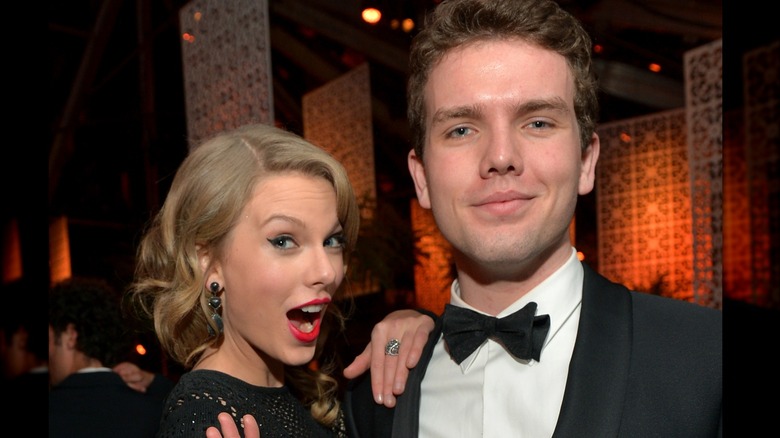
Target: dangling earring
x,y
215,303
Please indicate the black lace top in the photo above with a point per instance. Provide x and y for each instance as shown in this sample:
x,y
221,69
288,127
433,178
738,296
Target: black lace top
x,y
199,396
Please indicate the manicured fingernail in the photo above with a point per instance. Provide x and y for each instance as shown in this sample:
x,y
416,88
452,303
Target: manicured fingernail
x,y
379,399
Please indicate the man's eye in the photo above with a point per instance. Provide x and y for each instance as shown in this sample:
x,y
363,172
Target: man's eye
x,y
460,132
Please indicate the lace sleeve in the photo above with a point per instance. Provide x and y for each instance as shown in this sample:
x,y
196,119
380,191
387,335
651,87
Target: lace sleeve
x,y
190,415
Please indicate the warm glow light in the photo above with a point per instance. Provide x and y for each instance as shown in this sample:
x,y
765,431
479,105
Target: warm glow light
x,y
407,25
197,16
190,38
59,250
624,137
395,24
140,349
12,252
655,68
371,15
598,48
580,256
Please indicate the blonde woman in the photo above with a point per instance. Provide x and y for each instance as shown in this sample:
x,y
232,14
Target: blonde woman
x,y
239,271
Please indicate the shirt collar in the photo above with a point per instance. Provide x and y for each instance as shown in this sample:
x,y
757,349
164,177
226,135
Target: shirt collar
x,y
558,295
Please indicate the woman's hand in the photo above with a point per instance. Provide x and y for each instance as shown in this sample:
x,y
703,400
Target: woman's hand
x,y
389,373
230,430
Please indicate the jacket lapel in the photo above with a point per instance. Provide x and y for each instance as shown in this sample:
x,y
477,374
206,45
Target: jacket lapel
x,y
598,373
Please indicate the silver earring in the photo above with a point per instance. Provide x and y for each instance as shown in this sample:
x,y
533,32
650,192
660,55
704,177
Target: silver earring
x,y
215,303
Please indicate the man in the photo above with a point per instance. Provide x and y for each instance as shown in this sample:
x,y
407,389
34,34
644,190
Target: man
x,y
86,337
24,355
502,106
23,349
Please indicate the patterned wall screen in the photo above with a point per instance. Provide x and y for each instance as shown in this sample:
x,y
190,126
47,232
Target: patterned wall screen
x,y
226,58
337,117
762,136
643,204
704,120
433,270
660,191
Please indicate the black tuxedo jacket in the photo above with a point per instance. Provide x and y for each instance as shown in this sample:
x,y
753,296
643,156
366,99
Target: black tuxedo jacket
x,y
642,366
100,404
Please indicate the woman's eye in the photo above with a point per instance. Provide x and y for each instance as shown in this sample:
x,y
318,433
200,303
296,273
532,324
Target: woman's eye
x,y
336,241
282,242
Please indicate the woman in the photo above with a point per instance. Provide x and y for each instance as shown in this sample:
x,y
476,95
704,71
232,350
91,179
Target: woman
x,y
238,271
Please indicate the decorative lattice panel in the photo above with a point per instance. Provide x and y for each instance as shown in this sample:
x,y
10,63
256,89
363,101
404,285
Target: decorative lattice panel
x,y
226,55
337,117
434,269
643,204
704,120
761,75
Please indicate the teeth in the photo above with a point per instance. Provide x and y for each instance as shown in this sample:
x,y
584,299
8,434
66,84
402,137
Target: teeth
x,y
316,308
306,327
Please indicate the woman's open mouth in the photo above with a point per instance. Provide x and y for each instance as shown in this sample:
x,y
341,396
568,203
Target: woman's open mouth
x,y
304,321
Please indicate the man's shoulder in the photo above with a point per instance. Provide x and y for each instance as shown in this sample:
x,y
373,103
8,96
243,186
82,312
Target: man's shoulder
x,y
672,307
647,303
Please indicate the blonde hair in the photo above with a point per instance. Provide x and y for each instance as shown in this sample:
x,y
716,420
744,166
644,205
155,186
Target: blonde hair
x,y
206,198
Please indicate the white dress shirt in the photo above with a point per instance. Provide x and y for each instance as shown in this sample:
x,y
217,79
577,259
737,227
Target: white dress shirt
x,y
492,394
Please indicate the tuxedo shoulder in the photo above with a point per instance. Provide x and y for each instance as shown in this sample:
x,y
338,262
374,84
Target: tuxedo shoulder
x,y
679,318
655,303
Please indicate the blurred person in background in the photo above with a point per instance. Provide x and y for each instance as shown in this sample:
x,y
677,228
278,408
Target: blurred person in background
x,y
88,336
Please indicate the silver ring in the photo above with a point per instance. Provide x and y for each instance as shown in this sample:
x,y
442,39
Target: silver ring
x,y
391,349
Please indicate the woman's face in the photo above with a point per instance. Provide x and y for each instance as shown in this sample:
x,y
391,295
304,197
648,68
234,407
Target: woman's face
x,y
281,265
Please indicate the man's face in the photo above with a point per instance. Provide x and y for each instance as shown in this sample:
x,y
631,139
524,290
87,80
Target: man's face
x,y
503,162
14,354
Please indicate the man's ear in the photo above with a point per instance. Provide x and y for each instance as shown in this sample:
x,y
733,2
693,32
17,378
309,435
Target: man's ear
x,y
70,336
417,170
589,157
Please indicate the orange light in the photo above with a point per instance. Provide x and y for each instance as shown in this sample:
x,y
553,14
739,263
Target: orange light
x,y
655,68
140,349
598,48
580,256
190,38
624,137
407,25
371,15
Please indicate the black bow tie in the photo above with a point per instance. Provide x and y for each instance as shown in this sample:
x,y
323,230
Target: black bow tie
x,y
521,332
